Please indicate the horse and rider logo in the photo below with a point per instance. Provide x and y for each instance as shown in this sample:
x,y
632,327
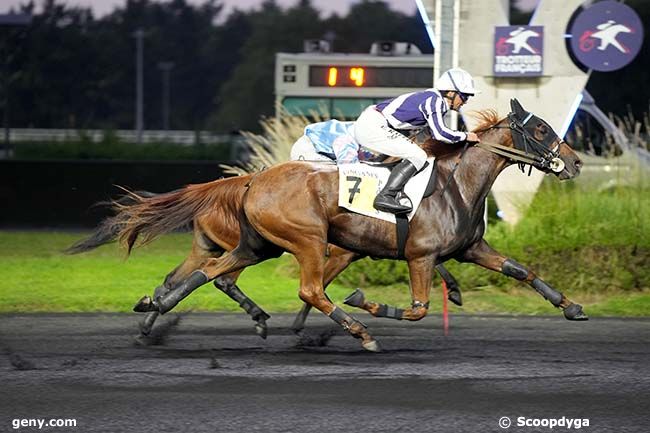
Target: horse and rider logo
x,y
518,50
606,36
519,40
606,33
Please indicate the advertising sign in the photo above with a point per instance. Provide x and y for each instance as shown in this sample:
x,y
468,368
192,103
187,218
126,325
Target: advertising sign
x,y
518,51
606,36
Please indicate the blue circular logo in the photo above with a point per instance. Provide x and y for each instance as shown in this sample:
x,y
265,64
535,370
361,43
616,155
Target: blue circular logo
x,y
606,36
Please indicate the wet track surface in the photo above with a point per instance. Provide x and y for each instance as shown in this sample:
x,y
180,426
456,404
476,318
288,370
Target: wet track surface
x,y
211,373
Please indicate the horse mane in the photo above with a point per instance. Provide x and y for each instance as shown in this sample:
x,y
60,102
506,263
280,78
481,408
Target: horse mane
x,y
487,119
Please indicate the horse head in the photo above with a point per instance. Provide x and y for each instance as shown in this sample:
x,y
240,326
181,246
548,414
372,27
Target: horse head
x,y
535,138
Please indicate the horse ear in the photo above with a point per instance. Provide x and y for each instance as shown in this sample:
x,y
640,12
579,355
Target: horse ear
x,y
516,107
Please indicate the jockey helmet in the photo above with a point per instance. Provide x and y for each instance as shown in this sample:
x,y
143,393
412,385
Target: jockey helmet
x,y
457,80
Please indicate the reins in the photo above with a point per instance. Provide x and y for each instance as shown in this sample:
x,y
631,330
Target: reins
x,y
520,156
543,158
535,154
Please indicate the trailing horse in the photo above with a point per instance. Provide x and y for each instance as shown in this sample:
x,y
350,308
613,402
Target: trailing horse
x,y
294,207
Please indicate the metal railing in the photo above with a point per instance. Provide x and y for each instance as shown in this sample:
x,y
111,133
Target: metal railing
x,y
130,136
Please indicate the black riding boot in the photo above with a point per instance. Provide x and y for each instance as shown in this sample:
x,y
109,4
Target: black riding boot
x,y
386,200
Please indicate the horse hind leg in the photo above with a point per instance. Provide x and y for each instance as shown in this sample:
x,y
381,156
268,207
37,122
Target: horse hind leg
x,y
146,325
209,269
226,283
420,272
358,299
417,310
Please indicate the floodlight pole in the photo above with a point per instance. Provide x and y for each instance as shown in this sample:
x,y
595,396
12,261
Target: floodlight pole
x,y
139,92
166,68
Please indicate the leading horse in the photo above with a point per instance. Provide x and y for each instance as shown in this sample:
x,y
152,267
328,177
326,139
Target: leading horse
x,y
212,209
446,225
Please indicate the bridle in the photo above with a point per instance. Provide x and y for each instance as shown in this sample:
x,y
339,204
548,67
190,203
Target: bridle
x,y
527,149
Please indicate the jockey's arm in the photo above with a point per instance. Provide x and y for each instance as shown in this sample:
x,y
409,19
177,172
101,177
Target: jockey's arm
x,y
433,110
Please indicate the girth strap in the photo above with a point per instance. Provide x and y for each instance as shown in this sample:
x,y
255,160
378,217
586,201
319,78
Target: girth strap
x,y
402,225
401,220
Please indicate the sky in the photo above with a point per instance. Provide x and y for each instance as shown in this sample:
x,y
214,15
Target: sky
x,y
102,7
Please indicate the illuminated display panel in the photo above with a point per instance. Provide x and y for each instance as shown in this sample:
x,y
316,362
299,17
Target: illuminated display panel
x,y
369,76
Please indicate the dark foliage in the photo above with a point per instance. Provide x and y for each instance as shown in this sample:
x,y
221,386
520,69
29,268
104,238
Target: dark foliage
x,y
69,69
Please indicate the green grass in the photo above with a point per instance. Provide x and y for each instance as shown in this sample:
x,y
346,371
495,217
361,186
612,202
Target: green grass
x,y
592,245
37,277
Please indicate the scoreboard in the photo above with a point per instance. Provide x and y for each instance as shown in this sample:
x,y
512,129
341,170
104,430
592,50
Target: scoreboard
x,y
342,85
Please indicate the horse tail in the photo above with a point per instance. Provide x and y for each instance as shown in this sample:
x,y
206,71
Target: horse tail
x,y
108,228
145,216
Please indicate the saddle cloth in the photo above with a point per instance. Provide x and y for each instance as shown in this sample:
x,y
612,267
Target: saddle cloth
x,y
360,183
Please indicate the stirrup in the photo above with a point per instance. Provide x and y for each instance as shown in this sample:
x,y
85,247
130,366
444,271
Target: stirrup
x,y
395,207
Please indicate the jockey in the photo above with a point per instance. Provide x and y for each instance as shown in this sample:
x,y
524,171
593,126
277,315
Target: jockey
x,y
380,128
331,140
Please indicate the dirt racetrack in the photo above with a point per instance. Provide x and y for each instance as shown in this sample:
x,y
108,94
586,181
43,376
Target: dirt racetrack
x,y
211,373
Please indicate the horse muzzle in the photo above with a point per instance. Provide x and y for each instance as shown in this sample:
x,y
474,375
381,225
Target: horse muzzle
x,y
566,168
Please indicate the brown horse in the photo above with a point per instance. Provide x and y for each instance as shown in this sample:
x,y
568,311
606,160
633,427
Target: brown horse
x,y
213,209
446,225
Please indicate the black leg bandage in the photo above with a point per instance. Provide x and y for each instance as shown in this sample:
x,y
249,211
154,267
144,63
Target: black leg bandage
x,y
548,292
244,301
389,311
514,269
169,300
343,318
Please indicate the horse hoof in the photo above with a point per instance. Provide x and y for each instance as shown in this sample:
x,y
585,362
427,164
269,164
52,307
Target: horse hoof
x,y
145,330
371,346
455,297
142,340
261,329
145,305
355,299
574,312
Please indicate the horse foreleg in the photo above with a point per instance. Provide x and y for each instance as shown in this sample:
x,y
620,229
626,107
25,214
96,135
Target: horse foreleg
x,y
453,289
338,260
421,272
483,255
312,266
226,283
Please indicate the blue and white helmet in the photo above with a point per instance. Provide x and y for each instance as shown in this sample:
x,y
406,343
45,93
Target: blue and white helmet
x,y
457,80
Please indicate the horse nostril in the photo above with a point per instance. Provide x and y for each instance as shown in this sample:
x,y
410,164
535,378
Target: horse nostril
x,y
578,164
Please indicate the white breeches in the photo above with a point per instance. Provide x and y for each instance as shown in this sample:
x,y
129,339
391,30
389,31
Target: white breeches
x,y
303,150
372,132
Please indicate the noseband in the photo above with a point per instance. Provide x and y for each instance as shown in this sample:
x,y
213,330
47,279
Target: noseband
x,y
527,149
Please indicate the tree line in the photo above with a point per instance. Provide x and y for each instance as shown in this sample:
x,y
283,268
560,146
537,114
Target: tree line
x,y
69,69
